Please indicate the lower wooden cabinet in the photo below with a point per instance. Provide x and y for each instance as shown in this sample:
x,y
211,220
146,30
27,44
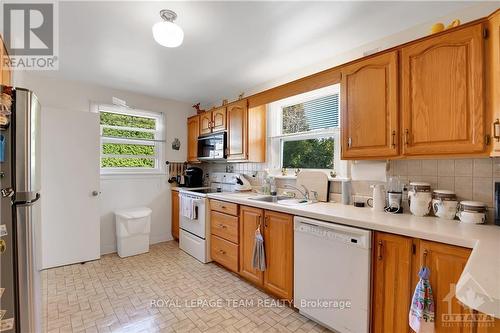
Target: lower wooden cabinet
x,y
278,240
250,219
277,229
391,285
175,214
396,263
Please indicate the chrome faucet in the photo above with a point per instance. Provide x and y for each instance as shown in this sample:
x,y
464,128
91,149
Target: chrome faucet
x,y
305,193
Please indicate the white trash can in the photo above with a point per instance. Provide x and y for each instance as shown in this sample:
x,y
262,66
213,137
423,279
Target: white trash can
x,y
132,231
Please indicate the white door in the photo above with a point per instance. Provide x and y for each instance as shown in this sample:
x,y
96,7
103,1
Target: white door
x,y
70,175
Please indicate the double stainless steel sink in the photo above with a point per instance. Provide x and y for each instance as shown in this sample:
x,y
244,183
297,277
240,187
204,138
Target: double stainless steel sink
x,y
281,199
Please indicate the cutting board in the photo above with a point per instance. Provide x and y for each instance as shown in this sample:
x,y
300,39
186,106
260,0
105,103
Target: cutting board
x,y
314,181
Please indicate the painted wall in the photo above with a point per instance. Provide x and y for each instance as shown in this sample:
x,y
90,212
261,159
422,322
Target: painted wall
x,y
121,191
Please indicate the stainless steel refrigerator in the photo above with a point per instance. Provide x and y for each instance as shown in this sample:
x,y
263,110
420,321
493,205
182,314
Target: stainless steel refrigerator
x,y
20,277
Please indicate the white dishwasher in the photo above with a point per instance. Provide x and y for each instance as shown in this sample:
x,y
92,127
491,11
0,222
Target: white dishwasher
x,y
332,274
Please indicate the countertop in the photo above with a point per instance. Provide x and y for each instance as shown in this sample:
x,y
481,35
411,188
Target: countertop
x,y
481,273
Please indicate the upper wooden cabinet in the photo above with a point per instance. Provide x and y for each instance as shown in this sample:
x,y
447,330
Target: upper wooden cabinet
x,y
213,121
193,125
237,120
493,78
391,288
369,109
442,94
5,72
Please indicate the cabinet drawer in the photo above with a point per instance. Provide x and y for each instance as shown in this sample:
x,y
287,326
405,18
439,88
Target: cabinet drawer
x,y
224,226
225,253
224,207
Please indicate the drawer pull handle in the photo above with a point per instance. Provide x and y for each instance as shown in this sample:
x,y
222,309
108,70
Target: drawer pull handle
x,y
222,226
223,207
222,252
379,250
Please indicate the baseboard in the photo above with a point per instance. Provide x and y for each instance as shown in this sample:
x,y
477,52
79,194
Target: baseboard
x,y
154,239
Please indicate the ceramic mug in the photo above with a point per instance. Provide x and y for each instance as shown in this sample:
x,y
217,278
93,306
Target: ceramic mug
x,y
420,202
445,209
471,217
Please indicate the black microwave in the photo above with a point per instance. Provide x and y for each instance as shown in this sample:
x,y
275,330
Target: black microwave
x,y
212,147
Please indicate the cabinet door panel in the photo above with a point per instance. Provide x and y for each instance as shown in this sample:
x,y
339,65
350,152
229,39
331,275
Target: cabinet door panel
x,y
493,74
442,94
391,290
237,117
250,218
206,123
370,107
278,241
175,214
446,264
219,120
193,131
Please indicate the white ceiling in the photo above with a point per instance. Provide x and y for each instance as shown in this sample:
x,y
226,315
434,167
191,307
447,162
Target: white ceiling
x,y
228,47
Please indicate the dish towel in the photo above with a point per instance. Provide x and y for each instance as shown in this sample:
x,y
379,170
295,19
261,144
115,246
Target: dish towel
x,y
421,314
259,255
187,208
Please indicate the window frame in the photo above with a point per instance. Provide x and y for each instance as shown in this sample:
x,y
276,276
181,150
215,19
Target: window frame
x,y
275,126
158,141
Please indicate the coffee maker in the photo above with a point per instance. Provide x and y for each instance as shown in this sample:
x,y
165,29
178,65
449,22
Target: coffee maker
x,y
394,196
193,177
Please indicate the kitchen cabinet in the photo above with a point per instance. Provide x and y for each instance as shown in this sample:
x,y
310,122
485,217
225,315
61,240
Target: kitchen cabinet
x,y
446,263
442,102
369,111
277,229
391,286
224,234
193,125
213,121
5,72
278,240
237,120
246,132
493,78
250,219
175,214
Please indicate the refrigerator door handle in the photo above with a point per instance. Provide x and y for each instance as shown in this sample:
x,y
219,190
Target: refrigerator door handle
x,y
28,202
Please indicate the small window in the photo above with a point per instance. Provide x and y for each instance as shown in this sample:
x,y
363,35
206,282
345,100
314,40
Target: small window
x,y
130,140
306,130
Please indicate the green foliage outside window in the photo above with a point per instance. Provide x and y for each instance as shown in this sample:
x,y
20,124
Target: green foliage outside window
x,y
308,154
126,162
123,120
127,149
119,133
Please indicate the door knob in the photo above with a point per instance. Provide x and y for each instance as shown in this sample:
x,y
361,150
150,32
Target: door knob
x,y
95,193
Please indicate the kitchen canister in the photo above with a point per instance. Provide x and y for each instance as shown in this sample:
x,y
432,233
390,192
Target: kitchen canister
x,y
420,198
444,204
473,212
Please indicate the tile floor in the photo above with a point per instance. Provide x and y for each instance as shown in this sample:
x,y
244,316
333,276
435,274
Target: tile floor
x,y
116,295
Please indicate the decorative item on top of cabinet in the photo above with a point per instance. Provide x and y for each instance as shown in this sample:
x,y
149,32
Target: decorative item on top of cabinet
x,y
193,125
369,109
442,94
446,264
175,214
493,78
391,286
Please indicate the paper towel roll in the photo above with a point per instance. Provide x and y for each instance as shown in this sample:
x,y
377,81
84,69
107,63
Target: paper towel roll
x,y
369,171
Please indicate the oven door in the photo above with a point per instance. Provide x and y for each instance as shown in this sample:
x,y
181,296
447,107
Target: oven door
x,y
212,147
196,224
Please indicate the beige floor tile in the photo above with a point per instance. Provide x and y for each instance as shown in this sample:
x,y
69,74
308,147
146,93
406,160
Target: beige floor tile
x,y
119,295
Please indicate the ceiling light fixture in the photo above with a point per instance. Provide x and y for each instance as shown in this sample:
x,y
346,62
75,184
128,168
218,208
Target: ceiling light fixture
x,y
167,33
